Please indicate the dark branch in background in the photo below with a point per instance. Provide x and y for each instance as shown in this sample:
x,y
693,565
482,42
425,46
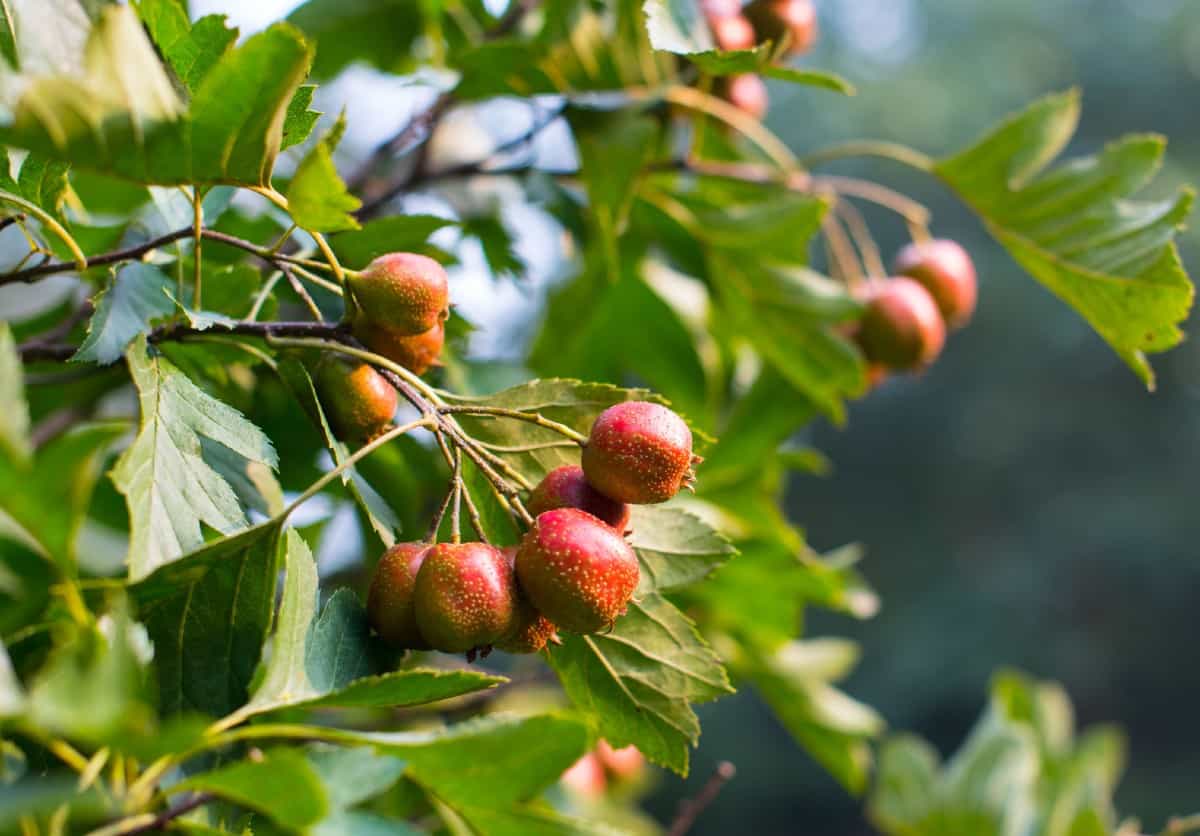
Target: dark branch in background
x,y
691,808
421,127
167,816
32,274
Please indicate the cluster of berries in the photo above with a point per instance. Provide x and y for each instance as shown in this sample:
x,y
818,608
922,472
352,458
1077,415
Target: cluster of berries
x,y
789,24
403,301
574,570
903,327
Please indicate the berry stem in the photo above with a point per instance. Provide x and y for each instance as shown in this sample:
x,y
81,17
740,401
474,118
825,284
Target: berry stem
x,y
690,809
516,415
456,508
748,126
870,148
860,234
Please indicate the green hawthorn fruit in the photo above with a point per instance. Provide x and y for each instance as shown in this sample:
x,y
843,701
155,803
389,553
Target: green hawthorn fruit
x,y
639,452
404,292
947,272
358,402
792,20
901,328
416,352
567,487
576,570
390,601
466,597
748,93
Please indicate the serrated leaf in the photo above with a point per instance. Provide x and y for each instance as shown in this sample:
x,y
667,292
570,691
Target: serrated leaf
x,y
637,683
299,122
813,78
1075,229
677,26
43,182
331,660
676,548
282,785
138,295
207,616
385,235
169,488
51,510
317,197
192,49
14,418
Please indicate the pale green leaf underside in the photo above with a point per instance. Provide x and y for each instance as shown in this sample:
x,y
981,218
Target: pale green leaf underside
x,y
637,682
1075,229
136,297
169,487
676,548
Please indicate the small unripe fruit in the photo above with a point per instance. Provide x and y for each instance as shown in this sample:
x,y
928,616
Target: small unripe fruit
x,y
586,777
416,352
748,93
639,452
732,32
795,20
576,570
901,327
466,597
404,292
567,487
356,399
391,597
947,272
624,763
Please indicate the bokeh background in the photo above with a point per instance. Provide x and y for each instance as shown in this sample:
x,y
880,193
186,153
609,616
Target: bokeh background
x,y
1025,502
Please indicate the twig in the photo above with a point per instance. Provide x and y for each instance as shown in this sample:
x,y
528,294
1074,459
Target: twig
x,y
30,274
302,292
690,809
528,417
168,816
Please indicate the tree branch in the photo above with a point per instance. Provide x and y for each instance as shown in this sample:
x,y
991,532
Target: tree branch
x,y
690,809
168,816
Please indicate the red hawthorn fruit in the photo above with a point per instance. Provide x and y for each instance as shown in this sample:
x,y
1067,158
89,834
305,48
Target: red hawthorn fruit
x,y
624,763
901,327
576,570
796,20
466,597
356,399
586,777
947,272
533,630
404,292
639,452
732,32
748,93
390,599
567,487
416,352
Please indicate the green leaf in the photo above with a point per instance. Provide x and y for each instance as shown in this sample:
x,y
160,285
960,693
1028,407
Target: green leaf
x,y
8,35
761,60
676,548
169,487
637,682
813,78
283,785
299,122
317,196
51,510
14,418
397,233
208,615
378,32
12,697
677,26
138,295
330,661
1076,229
43,182
192,50
353,775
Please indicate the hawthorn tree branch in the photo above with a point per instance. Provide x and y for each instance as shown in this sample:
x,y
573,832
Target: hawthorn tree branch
x,y
167,816
690,809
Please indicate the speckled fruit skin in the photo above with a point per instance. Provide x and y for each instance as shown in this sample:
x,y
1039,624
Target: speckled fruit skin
x,y
567,487
947,272
797,19
358,402
417,352
638,452
533,631
466,597
403,292
732,32
576,570
748,93
390,599
902,327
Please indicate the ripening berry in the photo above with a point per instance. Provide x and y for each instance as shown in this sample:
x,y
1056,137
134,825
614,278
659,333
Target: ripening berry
x,y
533,631
404,292
586,777
732,32
466,597
947,272
748,93
356,399
624,763
720,8
576,570
639,452
901,327
567,487
793,20
390,599
416,352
